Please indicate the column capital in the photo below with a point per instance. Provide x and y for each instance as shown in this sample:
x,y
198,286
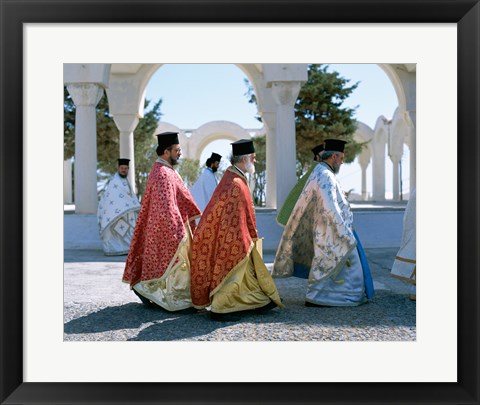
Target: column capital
x,y
285,93
269,119
410,117
126,122
85,94
395,158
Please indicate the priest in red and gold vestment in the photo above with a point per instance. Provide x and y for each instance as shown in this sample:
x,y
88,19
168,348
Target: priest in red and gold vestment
x,y
158,263
228,272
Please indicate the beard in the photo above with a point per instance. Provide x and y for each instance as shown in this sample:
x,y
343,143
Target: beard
x,y
250,168
173,161
214,169
336,167
124,176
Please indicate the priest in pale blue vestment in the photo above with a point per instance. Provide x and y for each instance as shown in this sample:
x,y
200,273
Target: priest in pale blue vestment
x,y
204,187
319,240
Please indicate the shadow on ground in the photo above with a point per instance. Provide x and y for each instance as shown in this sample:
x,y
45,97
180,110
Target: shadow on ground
x,y
384,312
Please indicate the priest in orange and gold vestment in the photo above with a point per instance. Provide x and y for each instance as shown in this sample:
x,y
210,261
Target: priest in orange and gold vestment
x,y
228,274
158,263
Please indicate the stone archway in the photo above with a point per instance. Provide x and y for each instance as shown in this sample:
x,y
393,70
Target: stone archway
x,y
194,141
215,130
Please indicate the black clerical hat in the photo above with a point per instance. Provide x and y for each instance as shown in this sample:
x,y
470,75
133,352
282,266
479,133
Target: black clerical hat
x,y
317,149
122,162
215,157
334,145
242,147
167,138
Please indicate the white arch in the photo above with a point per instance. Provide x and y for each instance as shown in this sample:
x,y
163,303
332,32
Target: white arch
x,y
364,133
399,133
215,130
194,141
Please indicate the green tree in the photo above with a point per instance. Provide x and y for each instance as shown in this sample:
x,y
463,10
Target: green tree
x,y
319,114
189,170
108,140
145,144
68,125
260,176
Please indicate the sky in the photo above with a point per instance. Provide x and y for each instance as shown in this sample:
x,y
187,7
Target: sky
x,y
194,94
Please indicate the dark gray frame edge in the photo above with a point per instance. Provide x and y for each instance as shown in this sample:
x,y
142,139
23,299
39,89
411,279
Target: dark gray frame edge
x,y
14,13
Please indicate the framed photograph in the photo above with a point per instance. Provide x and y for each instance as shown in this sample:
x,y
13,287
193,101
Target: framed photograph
x,y
27,180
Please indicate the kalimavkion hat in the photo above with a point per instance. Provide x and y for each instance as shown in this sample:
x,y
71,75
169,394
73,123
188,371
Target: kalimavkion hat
x,y
317,149
122,162
215,157
167,138
242,147
334,145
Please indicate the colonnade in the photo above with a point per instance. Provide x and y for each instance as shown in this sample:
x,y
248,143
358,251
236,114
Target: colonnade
x,y
276,87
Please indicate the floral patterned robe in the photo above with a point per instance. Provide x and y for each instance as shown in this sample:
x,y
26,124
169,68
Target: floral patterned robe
x,y
319,236
117,214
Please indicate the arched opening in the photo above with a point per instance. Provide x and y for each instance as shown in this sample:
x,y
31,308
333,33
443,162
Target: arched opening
x,y
220,146
209,103
194,94
375,96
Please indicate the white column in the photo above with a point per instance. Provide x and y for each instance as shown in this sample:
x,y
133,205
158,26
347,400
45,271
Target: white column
x,y
364,160
378,169
67,181
412,118
85,96
268,119
364,184
396,177
126,124
285,94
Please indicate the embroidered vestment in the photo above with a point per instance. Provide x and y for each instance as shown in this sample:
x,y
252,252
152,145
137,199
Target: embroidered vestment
x,y
227,271
117,214
319,236
158,265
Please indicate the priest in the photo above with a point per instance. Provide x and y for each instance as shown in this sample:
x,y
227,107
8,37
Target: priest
x,y
158,264
204,187
229,275
117,212
319,238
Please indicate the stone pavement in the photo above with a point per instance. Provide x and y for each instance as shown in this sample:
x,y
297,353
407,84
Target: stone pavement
x,y
99,307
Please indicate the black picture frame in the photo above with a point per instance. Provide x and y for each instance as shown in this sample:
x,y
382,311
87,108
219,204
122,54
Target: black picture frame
x,y
465,13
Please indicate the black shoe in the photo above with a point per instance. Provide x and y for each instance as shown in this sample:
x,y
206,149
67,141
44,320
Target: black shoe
x,y
230,317
311,304
145,301
266,308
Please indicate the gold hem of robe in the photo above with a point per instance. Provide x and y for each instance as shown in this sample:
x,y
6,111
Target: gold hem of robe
x,y
172,290
404,269
249,285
